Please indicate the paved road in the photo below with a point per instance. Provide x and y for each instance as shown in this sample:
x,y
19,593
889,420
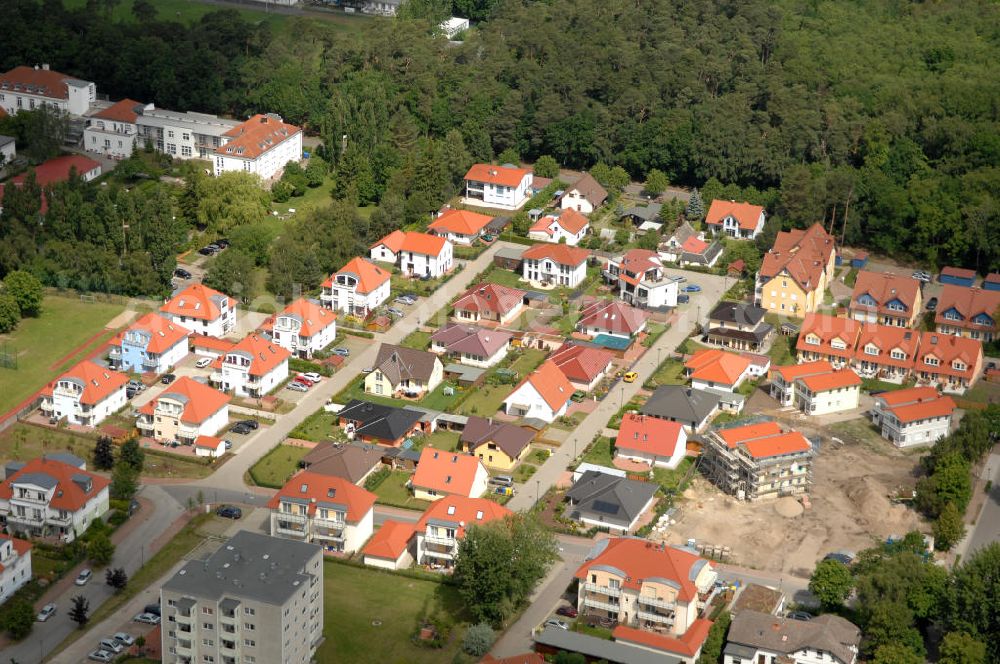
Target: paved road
x,y
987,528
712,289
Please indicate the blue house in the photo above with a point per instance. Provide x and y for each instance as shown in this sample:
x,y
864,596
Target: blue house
x,y
992,282
152,344
957,276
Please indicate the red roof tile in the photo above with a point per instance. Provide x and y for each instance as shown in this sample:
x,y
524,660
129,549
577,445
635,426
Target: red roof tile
x,y
960,272
614,316
200,401
524,658
827,329
417,243
464,511
68,495
121,111
687,644
256,136
369,275
640,560
264,355
948,349
717,366
887,338
209,443
693,245
582,363
460,222
197,301
968,303
563,254
790,372
650,435
210,343
765,439
446,472
804,255
831,381
318,489
550,383
58,169
389,541
508,177
735,435
490,297
98,382
884,287
163,333
312,317
923,409
745,214
21,546
43,82
908,396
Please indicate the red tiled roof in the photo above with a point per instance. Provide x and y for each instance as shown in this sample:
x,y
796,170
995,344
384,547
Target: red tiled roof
x,y
524,658
804,255
650,435
42,82
831,381
737,265
572,221
563,254
313,317
68,495
908,396
200,401
687,644
550,383
884,287
790,372
887,338
508,177
745,214
446,472
98,382
641,560
827,328
460,222
765,439
369,275
614,316
121,111
582,363
417,243
638,261
317,489
21,546
264,355
58,169
992,278
923,409
693,245
736,435
948,349
969,303
197,301
490,297
718,366
209,342
462,510
209,443
256,136
960,272
389,541
163,333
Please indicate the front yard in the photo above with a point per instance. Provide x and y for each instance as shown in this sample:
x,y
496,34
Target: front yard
x,y
600,452
275,467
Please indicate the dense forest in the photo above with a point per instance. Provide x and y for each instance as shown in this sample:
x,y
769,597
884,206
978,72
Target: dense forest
x,y
881,114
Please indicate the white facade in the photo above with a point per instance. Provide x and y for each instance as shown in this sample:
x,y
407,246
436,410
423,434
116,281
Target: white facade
x,y
268,164
548,271
416,264
112,137
165,423
65,403
822,402
328,527
8,150
573,199
925,431
654,459
236,376
182,135
404,560
16,97
490,194
29,510
286,333
219,326
15,567
803,656
526,402
555,232
342,295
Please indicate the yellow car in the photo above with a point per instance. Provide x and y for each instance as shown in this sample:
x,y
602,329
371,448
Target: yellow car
x,y
630,377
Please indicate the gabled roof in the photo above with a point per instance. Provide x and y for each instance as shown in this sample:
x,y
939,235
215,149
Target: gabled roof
x,y
369,275
717,366
163,333
614,316
644,212
54,170
827,329
199,401
960,272
948,348
833,380
908,396
639,261
502,175
256,136
209,443
569,220
649,435
22,546
312,317
550,383
210,343
590,189
446,472
380,421
639,560
686,645
490,297
510,438
745,214
802,254
460,222
968,303
264,355
470,339
70,484
413,242
197,301
324,491
562,254
390,541
462,512
42,82
827,633
126,110
884,287
790,372
694,245
97,382
582,363
887,338
916,404
737,312
351,462
401,363
616,500
681,403
763,440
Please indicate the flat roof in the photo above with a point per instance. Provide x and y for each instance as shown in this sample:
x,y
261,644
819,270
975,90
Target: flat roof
x,y
595,648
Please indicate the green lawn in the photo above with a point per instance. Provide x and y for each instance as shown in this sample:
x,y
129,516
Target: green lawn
x,y
393,491
441,439
418,339
783,350
671,480
318,427
64,324
356,390
498,275
485,401
275,467
599,452
438,400
670,372
524,472
385,610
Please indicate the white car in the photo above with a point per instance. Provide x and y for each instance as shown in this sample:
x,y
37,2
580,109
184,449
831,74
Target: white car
x,y
102,655
558,624
312,376
203,362
124,638
47,612
83,577
111,644
147,619
296,387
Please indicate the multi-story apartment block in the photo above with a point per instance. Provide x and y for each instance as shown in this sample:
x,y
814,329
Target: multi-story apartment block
x,y
914,416
152,344
885,298
50,498
442,527
253,367
557,264
27,88
304,328
113,131
85,395
796,272
262,145
357,289
497,186
968,312
257,599
758,461
641,279
202,310
182,135
325,510
816,388
15,565
416,254
184,411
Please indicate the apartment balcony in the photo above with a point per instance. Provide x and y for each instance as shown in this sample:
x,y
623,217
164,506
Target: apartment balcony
x,y
593,603
115,353
602,590
184,619
657,602
185,648
449,542
290,528
228,647
150,363
440,551
659,618
227,629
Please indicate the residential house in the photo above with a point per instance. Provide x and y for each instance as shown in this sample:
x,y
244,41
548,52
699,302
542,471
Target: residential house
x,y
183,135
585,195
739,326
608,502
679,403
184,411
416,254
652,591
489,302
957,276
829,338
400,371
304,328
816,388
885,352
376,423
354,462
206,346
952,362
885,298
583,365
256,599
741,221
568,227
612,317
544,394
968,312
796,272
671,248
641,279
357,289
389,547
758,461
460,226
55,170
253,367
696,251
8,149
50,498
471,345
152,344
497,186
718,369
640,214
499,445
914,416
85,395
440,473
373,7
202,310
27,88
262,145
329,511
442,527
15,565
660,443
783,379
555,264
113,131
755,637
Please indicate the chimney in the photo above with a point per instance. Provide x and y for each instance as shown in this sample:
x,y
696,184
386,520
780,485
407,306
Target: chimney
x,y
263,119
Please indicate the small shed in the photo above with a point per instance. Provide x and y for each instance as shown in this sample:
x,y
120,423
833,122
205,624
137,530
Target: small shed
x,y
992,282
736,268
209,446
509,258
957,276
860,260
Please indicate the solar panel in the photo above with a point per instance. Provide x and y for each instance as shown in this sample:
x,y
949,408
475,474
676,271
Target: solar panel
x,y
605,507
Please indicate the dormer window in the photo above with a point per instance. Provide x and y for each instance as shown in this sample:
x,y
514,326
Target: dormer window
x,y
897,354
871,349
812,340
838,344
958,365
930,360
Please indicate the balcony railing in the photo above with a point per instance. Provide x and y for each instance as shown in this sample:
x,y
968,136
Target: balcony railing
x,y
657,602
604,590
598,604
442,541
655,617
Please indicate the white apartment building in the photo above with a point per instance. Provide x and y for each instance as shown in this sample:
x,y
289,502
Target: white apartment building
x,y
304,328
914,416
816,388
262,145
15,565
416,254
443,526
85,395
113,131
256,600
555,264
27,88
253,367
357,289
182,135
641,279
202,310
324,510
502,187
184,411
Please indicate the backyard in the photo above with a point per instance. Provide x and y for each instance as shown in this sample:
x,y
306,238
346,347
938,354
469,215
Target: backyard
x,y
670,372
274,469
393,491
318,427
600,452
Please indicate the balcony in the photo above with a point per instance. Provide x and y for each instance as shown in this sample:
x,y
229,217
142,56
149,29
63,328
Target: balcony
x,y
184,648
657,602
184,619
440,541
283,526
228,647
610,607
440,551
602,590
115,353
150,364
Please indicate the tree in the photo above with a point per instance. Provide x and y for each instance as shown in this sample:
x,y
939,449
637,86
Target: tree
x,y
891,624
546,167
116,578
281,191
144,11
232,272
711,651
10,313
509,156
948,482
695,210
26,290
104,458
140,644
40,132
18,619
233,199
893,653
618,179
564,657
478,639
949,528
124,482
100,550
132,455
973,603
80,613
656,182
520,223
316,171
962,648
254,240
831,583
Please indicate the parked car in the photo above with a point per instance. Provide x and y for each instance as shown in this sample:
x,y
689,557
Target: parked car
x,y
166,379
181,273
229,512
124,638
681,279
405,299
222,243
111,644
101,655
567,611
692,288
840,558
920,275
343,352
630,377
136,385
228,444
203,362
129,393
253,424
311,375
241,429
502,480
303,380
147,618
683,299
296,386
214,247
393,311
83,577
558,624
47,612
152,608
932,304
799,615
207,251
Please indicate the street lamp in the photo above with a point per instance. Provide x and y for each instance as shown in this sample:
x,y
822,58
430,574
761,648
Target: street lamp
x,y
621,403
538,488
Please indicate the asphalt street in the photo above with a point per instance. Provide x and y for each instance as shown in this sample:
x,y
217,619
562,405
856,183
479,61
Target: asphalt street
x,y
987,526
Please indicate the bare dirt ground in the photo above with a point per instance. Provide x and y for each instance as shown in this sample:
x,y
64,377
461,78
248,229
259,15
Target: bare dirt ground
x,y
851,509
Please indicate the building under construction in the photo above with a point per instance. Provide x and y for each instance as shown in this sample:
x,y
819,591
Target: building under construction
x,y
758,461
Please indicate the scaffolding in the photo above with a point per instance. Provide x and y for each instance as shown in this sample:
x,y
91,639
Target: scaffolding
x,y
736,472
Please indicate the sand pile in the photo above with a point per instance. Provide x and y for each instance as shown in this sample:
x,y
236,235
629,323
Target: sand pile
x,y
788,507
873,507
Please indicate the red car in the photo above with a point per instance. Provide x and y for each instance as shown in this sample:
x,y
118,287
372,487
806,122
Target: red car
x,y
305,381
567,611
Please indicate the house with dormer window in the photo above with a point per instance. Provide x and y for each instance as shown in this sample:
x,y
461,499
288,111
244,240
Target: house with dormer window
x,y
262,145
795,273
968,312
184,411
400,371
544,394
641,279
325,510
886,299
152,344
253,367
440,474
357,289
555,264
741,221
952,363
567,227
85,395
885,352
444,524
202,310
829,338
303,328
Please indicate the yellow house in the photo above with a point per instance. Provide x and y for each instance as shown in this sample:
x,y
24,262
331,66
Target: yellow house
x,y
499,445
404,371
796,272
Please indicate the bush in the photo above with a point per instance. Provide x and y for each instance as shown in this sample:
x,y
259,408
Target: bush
x,y
478,639
375,480
18,620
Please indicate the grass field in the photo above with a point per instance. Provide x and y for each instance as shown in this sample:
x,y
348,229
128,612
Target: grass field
x,y
442,439
274,469
599,452
393,491
64,324
317,427
385,610
670,372
418,340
